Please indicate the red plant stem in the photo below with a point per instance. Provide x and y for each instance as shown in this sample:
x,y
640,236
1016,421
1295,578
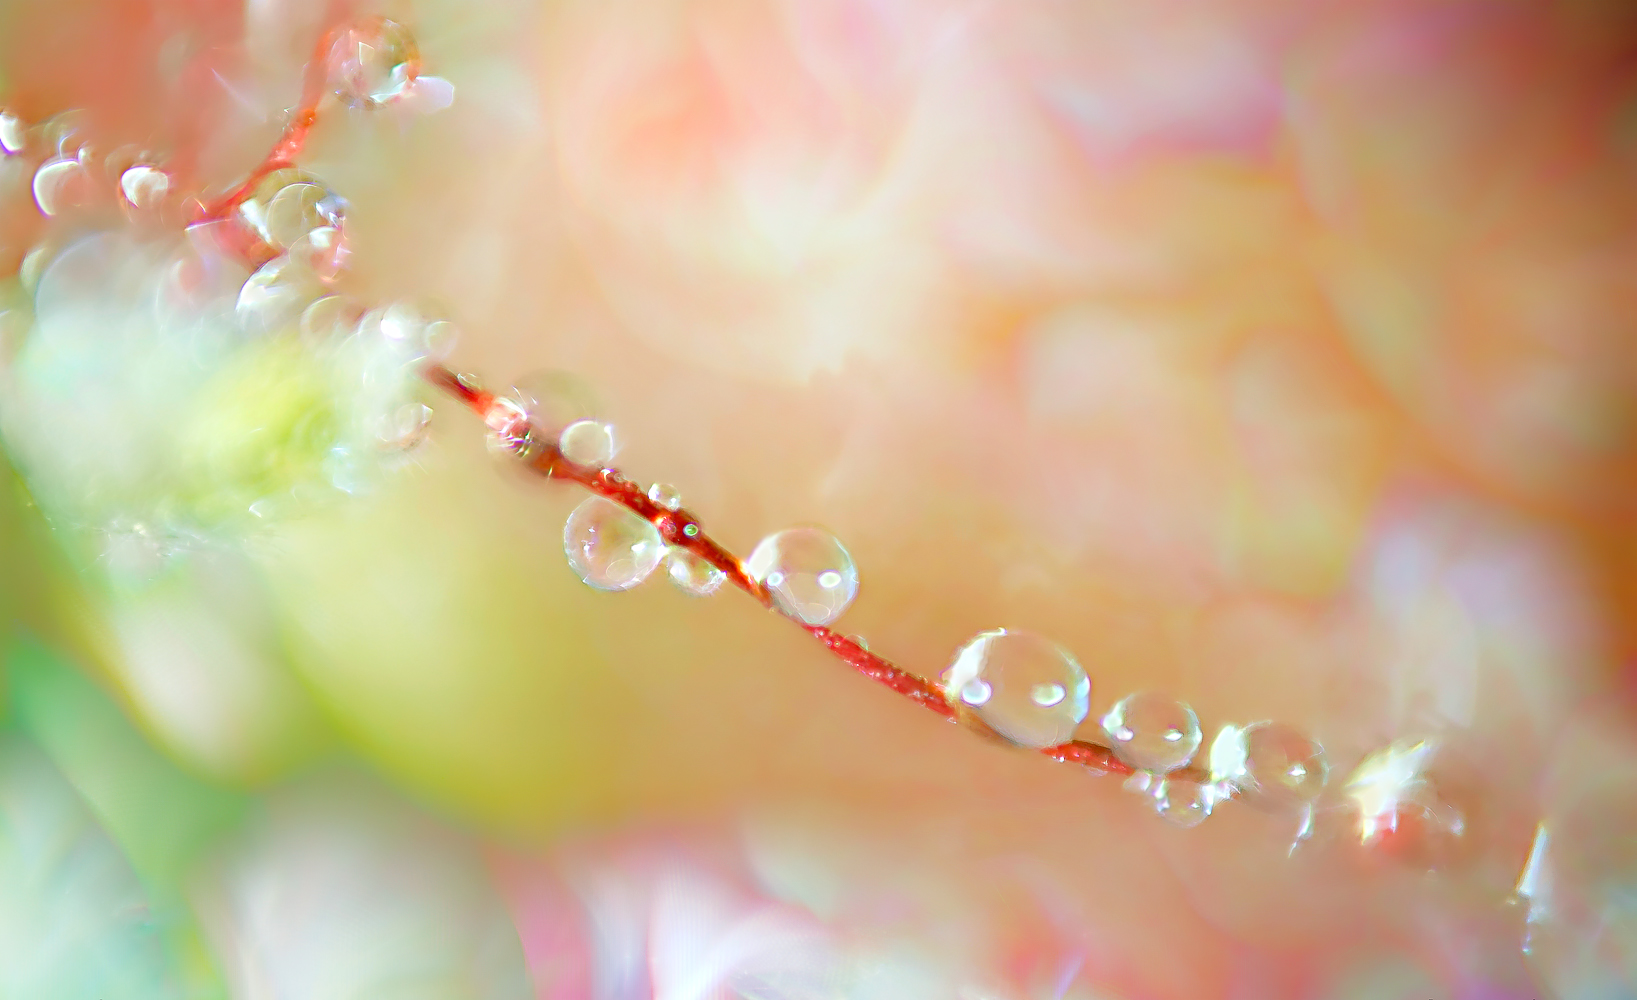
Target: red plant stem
x,y
677,527
682,529
296,131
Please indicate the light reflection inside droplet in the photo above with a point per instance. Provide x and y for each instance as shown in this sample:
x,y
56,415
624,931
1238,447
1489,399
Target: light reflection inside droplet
x,y
829,580
976,692
1047,695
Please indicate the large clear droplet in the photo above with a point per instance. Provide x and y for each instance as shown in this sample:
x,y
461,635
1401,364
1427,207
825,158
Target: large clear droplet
x,y
288,204
1182,801
60,185
808,572
1023,686
417,333
276,296
587,442
609,547
693,575
373,63
1270,763
144,186
295,211
13,134
1152,731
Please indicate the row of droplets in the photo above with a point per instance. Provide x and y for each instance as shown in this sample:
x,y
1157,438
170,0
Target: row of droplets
x,y
1023,687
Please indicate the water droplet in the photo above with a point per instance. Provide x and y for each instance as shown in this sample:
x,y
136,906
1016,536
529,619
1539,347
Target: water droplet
x,y
1153,732
1182,802
405,427
509,430
373,62
609,547
287,204
59,185
276,296
144,186
323,251
692,574
809,573
417,334
296,210
1271,763
13,133
666,496
587,442
1019,673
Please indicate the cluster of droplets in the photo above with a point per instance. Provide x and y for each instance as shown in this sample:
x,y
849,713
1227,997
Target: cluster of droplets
x,y
70,176
1035,694
297,334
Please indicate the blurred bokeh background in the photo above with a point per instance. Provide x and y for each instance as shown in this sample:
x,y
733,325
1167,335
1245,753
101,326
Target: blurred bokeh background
x,y
1279,356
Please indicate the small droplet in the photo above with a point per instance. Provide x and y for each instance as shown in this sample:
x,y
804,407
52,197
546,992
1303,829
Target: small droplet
x,y
323,251
1033,692
144,186
809,573
373,62
509,430
1153,732
1182,802
13,133
587,442
692,574
1271,763
276,296
609,547
60,185
666,496
287,204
